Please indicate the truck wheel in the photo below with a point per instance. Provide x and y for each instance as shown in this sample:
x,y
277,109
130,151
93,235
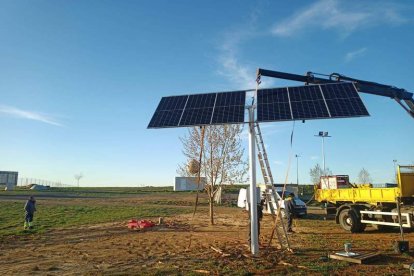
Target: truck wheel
x,y
348,219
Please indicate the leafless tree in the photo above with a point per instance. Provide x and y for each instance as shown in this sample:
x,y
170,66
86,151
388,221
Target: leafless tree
x,y
364,176
222,158
316,173
78,177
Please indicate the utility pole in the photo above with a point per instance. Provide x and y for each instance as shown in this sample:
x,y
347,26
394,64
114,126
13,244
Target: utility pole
x,y
323,135
297,168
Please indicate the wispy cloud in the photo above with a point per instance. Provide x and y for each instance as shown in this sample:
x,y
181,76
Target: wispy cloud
x,y
314,157
354,54
340,16
30,115
230,63
278,162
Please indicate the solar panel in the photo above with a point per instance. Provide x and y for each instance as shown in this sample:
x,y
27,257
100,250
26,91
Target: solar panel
x,y
168,112
343,100
334,100
307,102
200,109
273,105
229,108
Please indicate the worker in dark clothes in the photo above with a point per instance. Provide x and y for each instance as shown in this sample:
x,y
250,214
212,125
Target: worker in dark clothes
x,y
259,218
259,215
30,208
290,210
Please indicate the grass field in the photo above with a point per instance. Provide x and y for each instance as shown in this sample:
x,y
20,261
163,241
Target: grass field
x,y
55,215
83,231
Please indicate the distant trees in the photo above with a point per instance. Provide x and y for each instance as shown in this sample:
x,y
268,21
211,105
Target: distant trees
x,y
222,158
364,176
316,173
78,177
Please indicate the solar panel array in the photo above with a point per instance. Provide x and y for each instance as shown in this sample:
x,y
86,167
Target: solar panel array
x,y
337,100
200,109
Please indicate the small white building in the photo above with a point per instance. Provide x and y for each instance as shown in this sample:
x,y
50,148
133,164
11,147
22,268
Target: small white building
x,y
188,183
8,179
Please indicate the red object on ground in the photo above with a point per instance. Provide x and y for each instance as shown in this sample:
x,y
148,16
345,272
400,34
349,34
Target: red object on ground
x,y
133,224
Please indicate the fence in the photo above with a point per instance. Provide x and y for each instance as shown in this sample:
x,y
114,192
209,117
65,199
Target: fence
x,y
24,181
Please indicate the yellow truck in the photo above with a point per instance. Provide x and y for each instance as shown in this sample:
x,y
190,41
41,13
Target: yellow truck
x,y
358,205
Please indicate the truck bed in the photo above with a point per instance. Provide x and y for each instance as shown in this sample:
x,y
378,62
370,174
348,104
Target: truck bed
x,y
354,195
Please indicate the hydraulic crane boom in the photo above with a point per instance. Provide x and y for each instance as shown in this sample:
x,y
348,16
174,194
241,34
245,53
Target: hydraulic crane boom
x,y
401,96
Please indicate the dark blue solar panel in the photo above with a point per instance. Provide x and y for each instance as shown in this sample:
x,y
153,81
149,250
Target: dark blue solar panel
x,y
272,95
231,98
307,102
273,105
343,100
229,108
201,100
228,114
165,118
199,110
172,103
196,116
168,112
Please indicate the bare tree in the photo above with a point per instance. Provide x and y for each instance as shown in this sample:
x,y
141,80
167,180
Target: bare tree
x,y
78,177
364,176
316,173
222,158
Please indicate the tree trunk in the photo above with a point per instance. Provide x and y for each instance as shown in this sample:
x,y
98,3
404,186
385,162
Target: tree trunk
x,y
211,202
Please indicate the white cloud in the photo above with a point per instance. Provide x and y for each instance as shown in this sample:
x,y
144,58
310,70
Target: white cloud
x,y
231,66
340,16
30,115
354,54
314,157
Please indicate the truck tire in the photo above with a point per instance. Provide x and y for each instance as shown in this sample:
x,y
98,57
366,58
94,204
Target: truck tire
x,y
349,221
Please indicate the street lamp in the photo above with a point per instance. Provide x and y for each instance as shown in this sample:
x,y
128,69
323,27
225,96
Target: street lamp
x,y
297,168
395,170
323,134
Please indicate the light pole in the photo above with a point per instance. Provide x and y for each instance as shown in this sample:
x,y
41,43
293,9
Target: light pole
x,y
323,134
297,168
395,170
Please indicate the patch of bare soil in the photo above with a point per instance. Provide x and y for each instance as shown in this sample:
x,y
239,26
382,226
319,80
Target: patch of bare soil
x,y
186,245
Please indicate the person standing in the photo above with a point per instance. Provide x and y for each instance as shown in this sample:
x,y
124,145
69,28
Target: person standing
x,y
290,211
30,208
259,218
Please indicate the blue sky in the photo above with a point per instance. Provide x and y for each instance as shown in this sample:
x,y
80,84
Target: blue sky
x,y
80,81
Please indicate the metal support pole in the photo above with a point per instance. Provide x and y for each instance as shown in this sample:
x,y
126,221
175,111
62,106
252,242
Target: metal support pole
x,y
399,218
323,154
254,236
297,169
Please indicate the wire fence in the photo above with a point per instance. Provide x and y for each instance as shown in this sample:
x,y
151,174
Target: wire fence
x,y
25,181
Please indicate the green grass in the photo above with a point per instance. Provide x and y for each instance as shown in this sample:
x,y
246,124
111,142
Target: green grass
x,y
54,216
90,191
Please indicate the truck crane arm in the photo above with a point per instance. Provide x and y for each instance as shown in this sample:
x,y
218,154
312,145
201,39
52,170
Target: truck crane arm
x,y
401,96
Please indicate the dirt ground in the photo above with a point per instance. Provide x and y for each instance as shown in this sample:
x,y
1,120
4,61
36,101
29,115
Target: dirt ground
x,y
190,246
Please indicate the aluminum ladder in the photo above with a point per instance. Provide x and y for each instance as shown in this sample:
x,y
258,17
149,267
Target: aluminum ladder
x,y
268,179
